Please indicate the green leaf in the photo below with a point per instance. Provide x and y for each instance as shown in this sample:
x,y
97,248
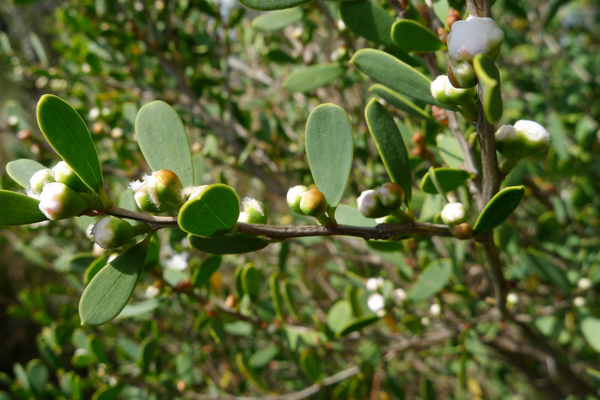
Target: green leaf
x,y
94,345
107,392
590,327
19,209
276,20
110,290
310,78
390,145
450,151
93,269
207,268
545,268
310,364
347,215
431,280
499,209
395,74
411,35
163,140
228,244
263,356
594,375
289,300
268,5
489,81
400,102
215,211
69,136
251,280
339,314
449,179
37,373
276,296
141,308
368,20
356,325
146,354
329,148
22,170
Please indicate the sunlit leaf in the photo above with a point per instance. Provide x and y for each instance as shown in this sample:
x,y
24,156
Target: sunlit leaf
x,y
449,179
411,35
310,78
489,81
22,170
19,209
499,209
276,20
215,211
435,276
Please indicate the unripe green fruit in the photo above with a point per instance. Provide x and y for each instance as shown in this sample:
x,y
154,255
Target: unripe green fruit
x,y
391,196
112,232
168,190
63,173
313,203
370,206
294,196
58,201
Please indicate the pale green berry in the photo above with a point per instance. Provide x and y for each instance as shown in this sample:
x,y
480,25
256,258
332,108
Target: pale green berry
x,y
370,206
391,196
112,232
294,196
313,203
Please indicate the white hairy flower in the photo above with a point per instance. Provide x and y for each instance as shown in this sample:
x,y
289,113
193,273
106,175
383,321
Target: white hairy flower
x,y
435,309
532,132
399,295
151,292
453,213
512,298
579,302
374,283
584,284
376,302
39,180
177,262
474,36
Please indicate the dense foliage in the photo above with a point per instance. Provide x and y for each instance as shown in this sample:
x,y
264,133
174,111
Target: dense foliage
x,y
494,299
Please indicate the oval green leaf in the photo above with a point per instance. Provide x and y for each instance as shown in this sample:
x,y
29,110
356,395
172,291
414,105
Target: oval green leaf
x,y
22,170
368,20
339,315
204,272
277,20
263,356
276,297
590,327
268,5
228,244
449,179
400,102
356,325
110,290
163,140
450,151
215,211
310,364
19,209
489,81
93,269
251,280
411,35
329,148
69,136
313,77
431,280
395,74
499,209
390,145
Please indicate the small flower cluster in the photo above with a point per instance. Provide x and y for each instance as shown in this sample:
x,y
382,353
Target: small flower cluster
x,y
384,201
379,287
253,212
467,39
61,192
523,139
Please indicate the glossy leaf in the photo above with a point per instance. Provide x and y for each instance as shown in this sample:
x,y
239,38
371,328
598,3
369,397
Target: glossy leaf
x,y
590,327
329,148
163,140
228,244
310,78
276,20
268,5
93,269
69,136
110,290
499,209
356,325
431,280
369,20
22,170
449,179
390,145
204,272
411,35
489,81
400,102
19,209
450,151
215,211
394,74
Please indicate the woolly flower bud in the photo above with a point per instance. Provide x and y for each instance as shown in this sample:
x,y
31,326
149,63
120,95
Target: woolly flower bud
x,y
159,192
313,203
294,195
435,309
443,91
369,205
534,134
579,302
523,139
112,232
461,74
39,180
584,284
399,295
453,213
374,283
391,196
474,36
253,212
376,302
58,201
512,298
190,192
63,173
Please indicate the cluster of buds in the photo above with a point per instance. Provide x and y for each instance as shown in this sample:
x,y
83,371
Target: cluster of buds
x,y
160,192
383,201
380,291
308,202
523,139
112,232
253,212
61,192
467,39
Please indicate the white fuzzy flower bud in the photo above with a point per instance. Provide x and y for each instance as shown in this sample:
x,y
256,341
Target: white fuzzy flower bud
x,y
373,284
376,302
369,205
453,213
151,292
579,302
391,196
399,295
63,173
523,139
443,91
584,284
39,180
512,298
435,309
58,201
177,262
253,212
474,36
294,196
533,134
